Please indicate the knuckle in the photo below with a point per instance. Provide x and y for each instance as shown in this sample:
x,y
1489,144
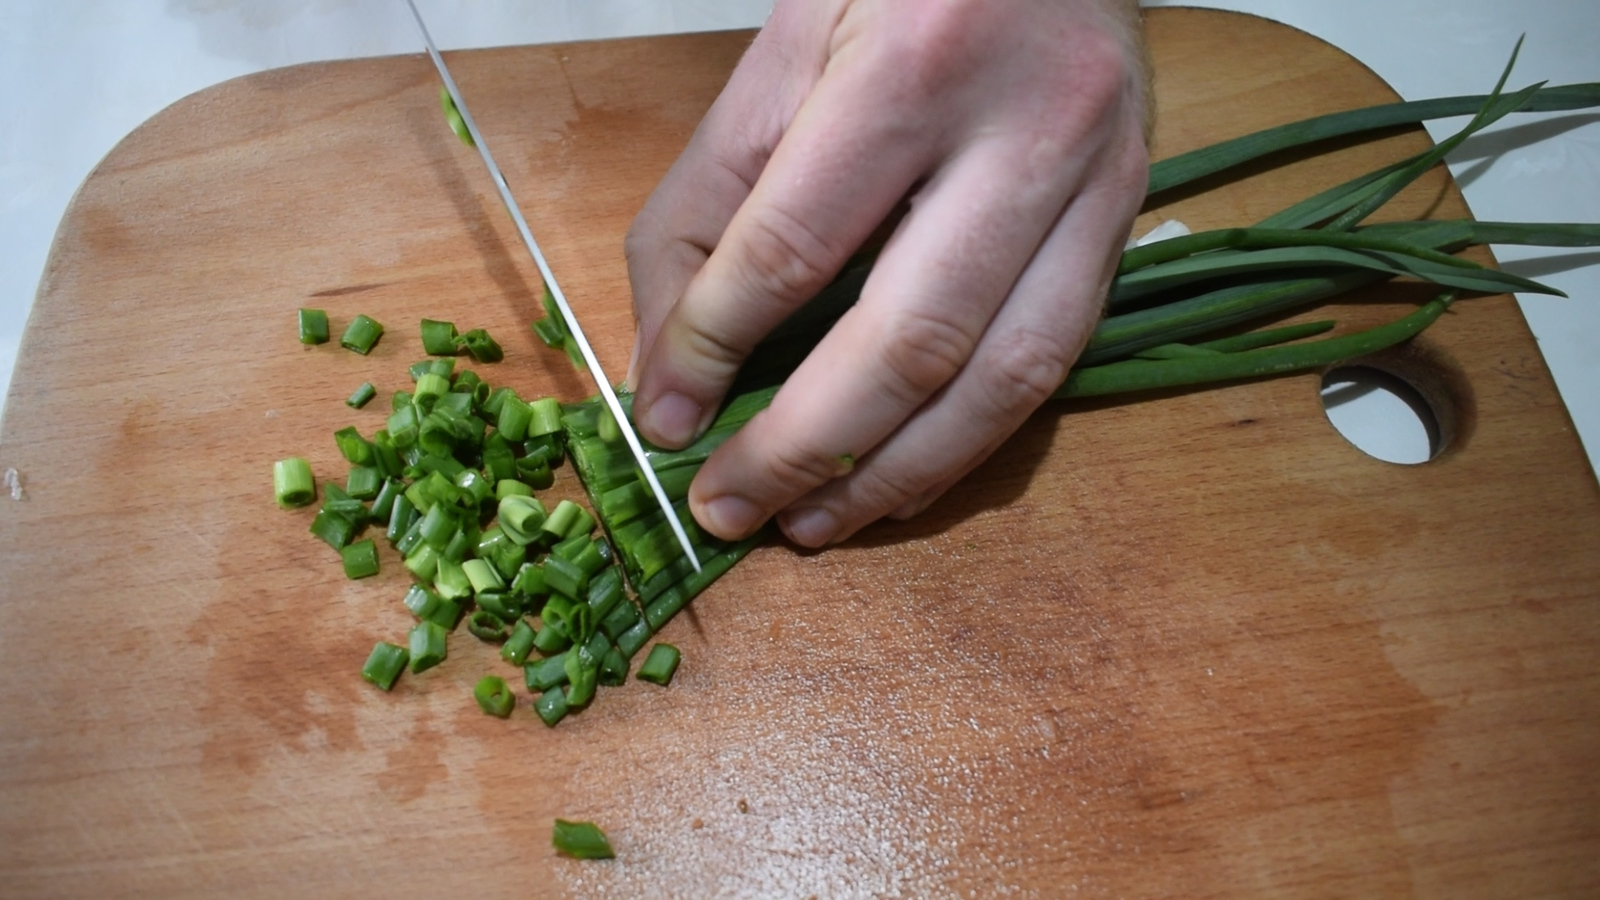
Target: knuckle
x,y
712,354
784,258
878,490
922,350
791,469
1026,370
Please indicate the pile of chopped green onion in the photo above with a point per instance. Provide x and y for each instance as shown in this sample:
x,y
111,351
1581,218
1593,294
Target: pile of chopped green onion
x,y
451,480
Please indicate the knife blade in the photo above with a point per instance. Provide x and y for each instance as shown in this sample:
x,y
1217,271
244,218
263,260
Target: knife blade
x,y
599,375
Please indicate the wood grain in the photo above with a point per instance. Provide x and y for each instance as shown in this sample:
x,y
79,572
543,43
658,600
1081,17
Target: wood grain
x,y
1193,646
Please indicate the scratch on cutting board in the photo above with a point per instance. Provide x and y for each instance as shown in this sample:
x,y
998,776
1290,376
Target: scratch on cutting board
x,y
12,483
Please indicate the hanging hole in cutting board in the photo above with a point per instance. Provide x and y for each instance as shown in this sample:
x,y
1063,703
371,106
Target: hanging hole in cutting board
x,y
1407,404
1383,415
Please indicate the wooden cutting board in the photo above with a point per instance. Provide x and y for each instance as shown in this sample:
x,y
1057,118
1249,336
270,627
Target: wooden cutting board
x,y
1195,645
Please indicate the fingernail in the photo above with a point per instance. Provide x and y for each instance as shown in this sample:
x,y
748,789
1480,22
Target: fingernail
x,y
673,420
813,527
731,517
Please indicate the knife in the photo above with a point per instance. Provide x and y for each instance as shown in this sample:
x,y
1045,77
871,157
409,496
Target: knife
x,y
599,375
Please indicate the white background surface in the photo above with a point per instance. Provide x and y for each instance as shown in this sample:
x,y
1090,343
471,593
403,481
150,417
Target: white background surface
x,y
83,73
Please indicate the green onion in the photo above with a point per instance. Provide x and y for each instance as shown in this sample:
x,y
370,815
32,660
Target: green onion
x,y
353,446
333,528
551,706
552,637
362,334
659,665
453,117
544,417
564,576
487,627
427,641
364,483
384,664
613,669
450,581
519,644
548,332
482,347
550,672
360,559
362,395
313,326
493,696
430,387
581,840
582,677
292,483
501,605
482,576
430,607
438,338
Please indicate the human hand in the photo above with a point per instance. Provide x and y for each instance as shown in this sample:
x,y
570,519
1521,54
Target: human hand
x,y
1016,130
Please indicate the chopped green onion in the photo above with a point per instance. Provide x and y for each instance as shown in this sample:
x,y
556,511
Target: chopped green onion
x,y
502,605
430,607
553,637
519,644
360,559
450,581
482,347
362,395
514,418
384,664
487,627
385,456
401,517
659,665
547,673
292,482
427,640
439,338
422,562
581,679
334,529
614,668
313,326
493,696
453,117
355,448
383,503
564,576
430,388
364,483
548,332
482,576
362,334
530,581
551,706
581,840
